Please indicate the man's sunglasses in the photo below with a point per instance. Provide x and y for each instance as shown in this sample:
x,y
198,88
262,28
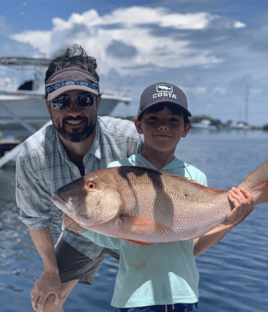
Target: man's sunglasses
x,y
83,100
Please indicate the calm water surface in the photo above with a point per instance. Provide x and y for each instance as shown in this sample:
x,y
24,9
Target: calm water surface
x,y
233,274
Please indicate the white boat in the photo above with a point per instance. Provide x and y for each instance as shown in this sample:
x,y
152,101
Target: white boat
x,y
25,107
240,125
205,124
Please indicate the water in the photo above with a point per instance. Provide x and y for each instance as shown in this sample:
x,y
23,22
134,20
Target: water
x,y
233,274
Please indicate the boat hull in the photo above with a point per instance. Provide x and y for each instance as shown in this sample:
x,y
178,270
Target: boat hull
x,y
30,107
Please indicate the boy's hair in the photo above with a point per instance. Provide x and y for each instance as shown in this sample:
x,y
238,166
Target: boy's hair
x,y
73,56
174,109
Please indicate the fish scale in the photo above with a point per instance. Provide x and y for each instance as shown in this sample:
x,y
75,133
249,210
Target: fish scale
x,y
147,206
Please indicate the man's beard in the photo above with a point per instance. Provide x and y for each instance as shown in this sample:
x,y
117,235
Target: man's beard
x,y
77,135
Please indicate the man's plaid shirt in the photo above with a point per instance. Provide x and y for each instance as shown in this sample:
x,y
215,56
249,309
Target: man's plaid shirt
x,y
43,166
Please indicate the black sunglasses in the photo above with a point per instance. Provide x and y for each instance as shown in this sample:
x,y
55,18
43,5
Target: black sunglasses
x,y
84,100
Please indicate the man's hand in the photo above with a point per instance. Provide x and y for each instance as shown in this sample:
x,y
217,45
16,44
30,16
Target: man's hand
x,y
48,283
242,202
71,224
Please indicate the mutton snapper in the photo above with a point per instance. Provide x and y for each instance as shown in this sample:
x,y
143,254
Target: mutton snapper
x,y
145,205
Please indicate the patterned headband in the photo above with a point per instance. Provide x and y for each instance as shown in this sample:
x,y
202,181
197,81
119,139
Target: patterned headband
x,y
68,79
56,86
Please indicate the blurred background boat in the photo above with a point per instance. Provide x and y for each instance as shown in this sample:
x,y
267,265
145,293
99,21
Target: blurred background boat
x,y
24,107
23,110
204,124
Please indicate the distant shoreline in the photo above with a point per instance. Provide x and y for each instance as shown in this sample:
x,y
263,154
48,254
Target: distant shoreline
x,y
228,125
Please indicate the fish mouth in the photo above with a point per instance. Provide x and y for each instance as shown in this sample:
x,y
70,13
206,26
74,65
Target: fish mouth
x,y
63,205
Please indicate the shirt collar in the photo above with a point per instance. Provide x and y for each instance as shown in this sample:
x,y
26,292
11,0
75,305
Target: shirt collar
x,y
174,164
95,148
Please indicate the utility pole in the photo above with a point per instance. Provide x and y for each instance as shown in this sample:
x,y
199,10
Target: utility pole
x,y
210,110
246,104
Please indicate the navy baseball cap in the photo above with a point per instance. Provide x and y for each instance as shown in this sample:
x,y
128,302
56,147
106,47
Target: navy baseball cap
x,y
163,92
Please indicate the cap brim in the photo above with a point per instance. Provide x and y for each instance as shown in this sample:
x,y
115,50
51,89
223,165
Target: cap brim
x,y
51,96
169,101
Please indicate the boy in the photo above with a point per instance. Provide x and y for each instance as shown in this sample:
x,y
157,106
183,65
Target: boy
x,y
164,276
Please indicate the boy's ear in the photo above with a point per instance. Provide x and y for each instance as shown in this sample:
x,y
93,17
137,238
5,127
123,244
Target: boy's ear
x,y
186,129
138,125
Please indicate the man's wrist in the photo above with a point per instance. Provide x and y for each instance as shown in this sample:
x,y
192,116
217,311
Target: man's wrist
x,y
51,269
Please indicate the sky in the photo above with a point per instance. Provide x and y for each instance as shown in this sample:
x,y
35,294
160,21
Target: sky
x,y
212,49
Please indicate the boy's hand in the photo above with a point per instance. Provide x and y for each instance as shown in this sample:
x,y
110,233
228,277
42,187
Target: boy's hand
x,y
71,224
242,201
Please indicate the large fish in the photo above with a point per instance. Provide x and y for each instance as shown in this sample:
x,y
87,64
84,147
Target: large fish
x,y
144,205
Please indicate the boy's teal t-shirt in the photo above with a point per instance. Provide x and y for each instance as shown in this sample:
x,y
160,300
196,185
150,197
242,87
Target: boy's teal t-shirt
x,y
164,273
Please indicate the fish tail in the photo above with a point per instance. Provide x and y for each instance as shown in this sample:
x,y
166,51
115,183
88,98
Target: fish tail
x,y
257,184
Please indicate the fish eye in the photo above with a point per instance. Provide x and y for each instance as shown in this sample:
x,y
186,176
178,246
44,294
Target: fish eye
x,y
91,185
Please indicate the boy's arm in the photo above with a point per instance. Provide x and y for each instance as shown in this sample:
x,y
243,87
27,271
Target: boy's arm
x,y
242,201
99,239
102,240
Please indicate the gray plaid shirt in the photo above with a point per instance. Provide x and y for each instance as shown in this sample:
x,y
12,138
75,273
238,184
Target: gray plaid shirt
x,y
43,166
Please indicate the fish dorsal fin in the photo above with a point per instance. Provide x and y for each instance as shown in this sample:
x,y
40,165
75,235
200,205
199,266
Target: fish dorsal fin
x,y
154,171
178,177
185,179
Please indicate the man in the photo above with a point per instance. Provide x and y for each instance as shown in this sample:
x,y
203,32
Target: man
x,y
77,142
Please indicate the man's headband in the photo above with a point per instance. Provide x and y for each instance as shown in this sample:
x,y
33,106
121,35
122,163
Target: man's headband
x,y
71,78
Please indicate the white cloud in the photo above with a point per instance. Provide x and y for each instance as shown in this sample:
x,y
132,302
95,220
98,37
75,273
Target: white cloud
x,y
261,74
38,39
187,21
220,90
90,18
138,15
255,91
132,27
238,24
195,90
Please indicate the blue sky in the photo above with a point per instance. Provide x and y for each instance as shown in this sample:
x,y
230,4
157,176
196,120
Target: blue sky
x,y
212,49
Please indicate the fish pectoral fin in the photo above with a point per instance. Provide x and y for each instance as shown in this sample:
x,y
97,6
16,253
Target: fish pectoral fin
x,y
140,221
136,242
219,229
137,224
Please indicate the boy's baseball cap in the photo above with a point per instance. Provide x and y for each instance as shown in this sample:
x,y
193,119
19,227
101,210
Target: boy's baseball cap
x,y
163,92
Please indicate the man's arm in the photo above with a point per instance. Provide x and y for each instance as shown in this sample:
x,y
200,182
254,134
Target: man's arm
x,y
34,205
242,202
49,281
